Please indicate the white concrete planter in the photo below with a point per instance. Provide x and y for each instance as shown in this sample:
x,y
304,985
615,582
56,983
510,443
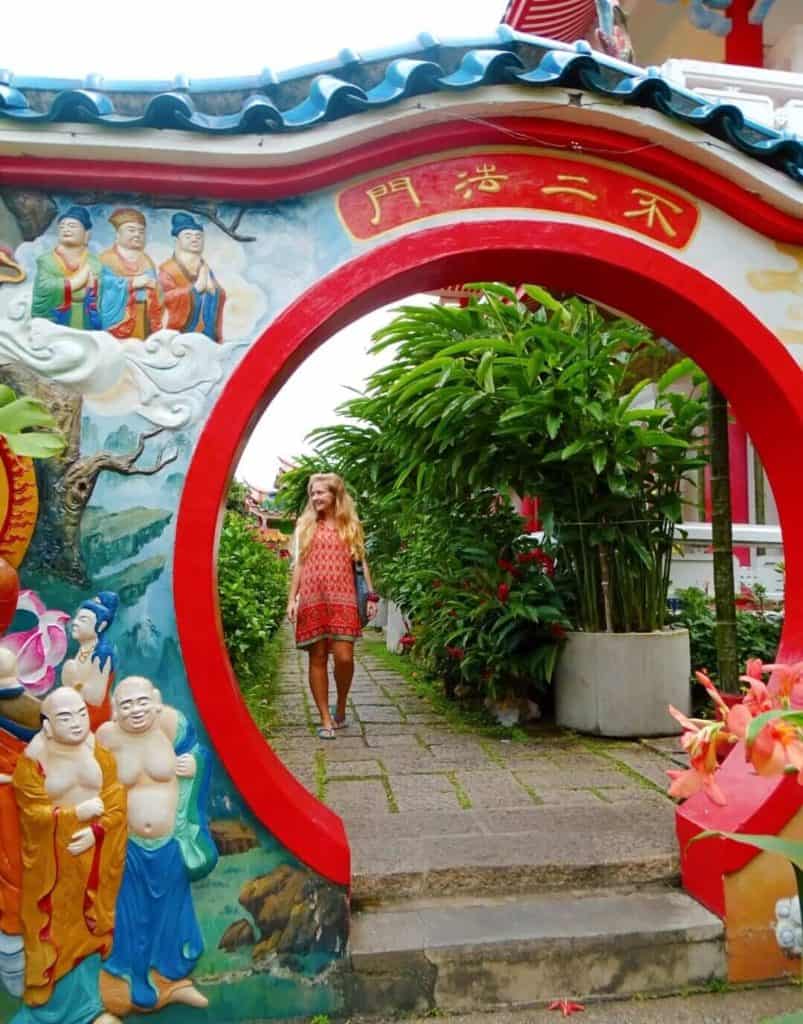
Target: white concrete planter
x,y
619,684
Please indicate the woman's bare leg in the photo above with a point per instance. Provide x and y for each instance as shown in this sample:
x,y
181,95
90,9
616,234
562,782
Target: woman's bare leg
x,y
343,652
319,681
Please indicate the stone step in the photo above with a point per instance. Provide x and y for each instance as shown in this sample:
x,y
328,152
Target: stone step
x,y
524,851
459,955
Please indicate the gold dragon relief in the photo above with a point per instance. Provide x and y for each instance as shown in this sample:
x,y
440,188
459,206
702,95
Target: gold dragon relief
x,y
790,281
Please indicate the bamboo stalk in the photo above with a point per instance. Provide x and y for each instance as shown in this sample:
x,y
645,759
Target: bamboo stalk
x,y
722,543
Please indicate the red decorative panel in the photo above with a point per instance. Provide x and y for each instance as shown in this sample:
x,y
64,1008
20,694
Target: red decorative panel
x,y
528,180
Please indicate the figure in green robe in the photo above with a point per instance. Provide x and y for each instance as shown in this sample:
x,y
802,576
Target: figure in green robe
x,y
65,289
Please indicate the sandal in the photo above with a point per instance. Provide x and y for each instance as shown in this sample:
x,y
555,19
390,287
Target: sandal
x,y
324,733
340,723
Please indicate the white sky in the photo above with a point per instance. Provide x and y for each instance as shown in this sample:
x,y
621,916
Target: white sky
x,y
212,40
311,395
239,37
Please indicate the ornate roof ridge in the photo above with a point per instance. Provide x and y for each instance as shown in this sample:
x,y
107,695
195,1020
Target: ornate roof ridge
x,y
351,83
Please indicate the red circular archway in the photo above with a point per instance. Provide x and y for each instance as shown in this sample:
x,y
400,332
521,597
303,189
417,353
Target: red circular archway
x,y
743,357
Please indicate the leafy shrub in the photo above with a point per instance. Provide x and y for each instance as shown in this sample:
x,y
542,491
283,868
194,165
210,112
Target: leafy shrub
x,y
486,613
550,402
235,498
252,587
757,634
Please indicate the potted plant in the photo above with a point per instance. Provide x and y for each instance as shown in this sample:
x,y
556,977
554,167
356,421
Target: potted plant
x,y
621,443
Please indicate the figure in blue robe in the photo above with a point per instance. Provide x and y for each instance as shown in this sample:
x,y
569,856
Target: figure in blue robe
x,y
157,939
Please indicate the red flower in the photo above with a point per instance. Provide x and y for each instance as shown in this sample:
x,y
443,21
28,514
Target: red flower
x,y
502,592
557,631
537,555
566,1007
506,566
547,562
407,640
746,598
458,653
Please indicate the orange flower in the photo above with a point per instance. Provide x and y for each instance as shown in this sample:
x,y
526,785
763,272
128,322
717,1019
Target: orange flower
x,y
786,684
701,740
758,699
754,668
777,745
705,681
739,718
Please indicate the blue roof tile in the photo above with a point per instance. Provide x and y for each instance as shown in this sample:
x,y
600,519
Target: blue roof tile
x,y
310,95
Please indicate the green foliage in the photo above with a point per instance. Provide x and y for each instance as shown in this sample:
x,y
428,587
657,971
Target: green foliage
x,y
28,427
758,634
252,587
235,497
260,684
486,612
496,395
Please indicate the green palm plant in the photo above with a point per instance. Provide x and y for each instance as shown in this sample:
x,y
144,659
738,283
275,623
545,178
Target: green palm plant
x,y
548,401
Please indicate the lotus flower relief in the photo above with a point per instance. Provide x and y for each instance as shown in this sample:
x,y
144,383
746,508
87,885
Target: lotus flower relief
x,y
40,649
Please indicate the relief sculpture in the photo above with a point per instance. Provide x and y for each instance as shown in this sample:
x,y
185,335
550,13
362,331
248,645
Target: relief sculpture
x,y
158,941
73,834
91,671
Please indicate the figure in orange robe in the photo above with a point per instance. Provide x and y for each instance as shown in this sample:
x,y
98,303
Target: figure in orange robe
x,y
192,294
73,825
19,722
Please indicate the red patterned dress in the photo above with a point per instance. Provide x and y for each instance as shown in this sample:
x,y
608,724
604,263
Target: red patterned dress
x,y
327,598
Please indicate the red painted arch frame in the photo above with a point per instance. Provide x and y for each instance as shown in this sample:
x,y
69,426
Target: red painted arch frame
x,y
744,358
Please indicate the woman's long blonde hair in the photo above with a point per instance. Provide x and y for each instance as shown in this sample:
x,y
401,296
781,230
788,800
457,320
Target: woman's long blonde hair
x,y
348,525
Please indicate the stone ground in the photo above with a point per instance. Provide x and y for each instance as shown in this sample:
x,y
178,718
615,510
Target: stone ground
x,y
745,1006
417,795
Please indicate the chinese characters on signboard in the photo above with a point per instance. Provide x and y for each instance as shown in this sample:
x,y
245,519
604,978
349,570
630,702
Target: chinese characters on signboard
x,y
517,181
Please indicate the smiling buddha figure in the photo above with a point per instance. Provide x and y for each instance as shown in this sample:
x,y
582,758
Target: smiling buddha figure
x,y
157,941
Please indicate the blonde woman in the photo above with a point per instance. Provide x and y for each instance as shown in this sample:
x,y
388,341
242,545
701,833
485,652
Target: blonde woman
x,y
322,603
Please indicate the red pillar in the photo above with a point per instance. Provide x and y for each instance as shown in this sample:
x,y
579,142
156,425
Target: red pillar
x,y
745,42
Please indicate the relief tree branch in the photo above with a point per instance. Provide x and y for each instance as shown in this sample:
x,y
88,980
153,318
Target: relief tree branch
x,y
67,481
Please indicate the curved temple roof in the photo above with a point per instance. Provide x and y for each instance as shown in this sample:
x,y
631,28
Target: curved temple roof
x,y
314,94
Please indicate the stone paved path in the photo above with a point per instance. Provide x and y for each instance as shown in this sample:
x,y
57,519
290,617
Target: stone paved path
x,y
424,801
